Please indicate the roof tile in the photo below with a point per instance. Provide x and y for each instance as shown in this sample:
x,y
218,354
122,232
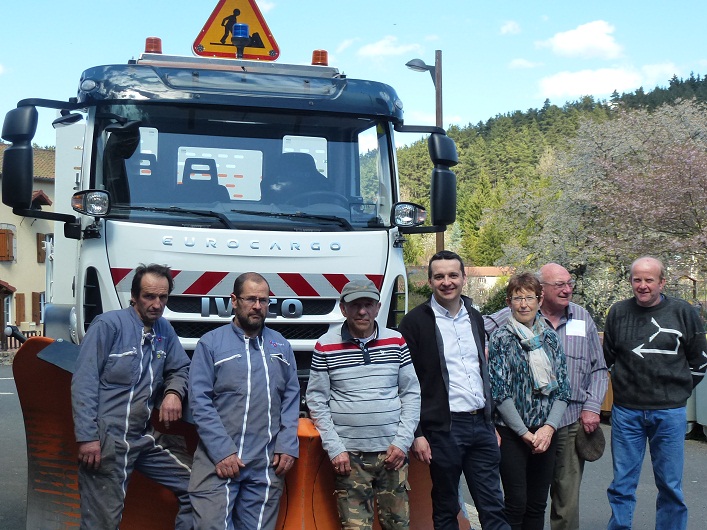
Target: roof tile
x,y
43,161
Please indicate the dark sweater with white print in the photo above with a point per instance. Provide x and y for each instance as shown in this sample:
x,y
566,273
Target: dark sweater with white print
x,y
659,353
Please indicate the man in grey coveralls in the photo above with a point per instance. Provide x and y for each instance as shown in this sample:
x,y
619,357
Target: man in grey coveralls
x,y
244,395
130,359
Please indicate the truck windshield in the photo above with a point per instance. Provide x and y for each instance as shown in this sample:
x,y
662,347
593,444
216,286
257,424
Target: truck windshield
x,y
226,168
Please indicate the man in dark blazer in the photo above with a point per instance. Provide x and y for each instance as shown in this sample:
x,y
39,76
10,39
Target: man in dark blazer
x,y
456,433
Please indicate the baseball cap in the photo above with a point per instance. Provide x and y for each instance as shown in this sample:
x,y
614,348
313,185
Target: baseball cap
x,y
359,289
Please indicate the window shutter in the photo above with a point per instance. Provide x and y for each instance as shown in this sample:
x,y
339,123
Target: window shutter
x,y
41,253
37,308
19,308
6,245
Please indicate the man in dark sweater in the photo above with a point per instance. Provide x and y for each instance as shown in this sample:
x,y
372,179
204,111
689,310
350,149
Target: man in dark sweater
x,y
657,348
456,434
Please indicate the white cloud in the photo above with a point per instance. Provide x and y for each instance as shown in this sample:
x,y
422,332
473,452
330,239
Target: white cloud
x,y
599,83
602,82
518,64
510,27
367,143
658,74
344,45
593,40
388,46
2,70
265,7
431,38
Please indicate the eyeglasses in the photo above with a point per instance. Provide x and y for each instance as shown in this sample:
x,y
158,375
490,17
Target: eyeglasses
x,y
562,285
520,299
252,300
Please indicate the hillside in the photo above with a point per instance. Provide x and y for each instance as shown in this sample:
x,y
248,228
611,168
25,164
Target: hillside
x,y
591,185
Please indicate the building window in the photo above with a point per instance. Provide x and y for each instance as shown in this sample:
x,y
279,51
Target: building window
x,y
7,242
7,310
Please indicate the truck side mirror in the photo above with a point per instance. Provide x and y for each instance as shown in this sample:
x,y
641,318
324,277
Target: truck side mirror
x,y
443,183
442,149
443,196
18,161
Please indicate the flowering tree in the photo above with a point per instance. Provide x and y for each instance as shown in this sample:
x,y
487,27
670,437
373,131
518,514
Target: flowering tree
x,y
632,185
647,178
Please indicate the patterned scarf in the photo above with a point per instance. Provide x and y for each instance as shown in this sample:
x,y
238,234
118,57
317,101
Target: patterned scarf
x,y
544,380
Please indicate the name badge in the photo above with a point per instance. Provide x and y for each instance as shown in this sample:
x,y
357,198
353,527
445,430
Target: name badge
x,y
576,328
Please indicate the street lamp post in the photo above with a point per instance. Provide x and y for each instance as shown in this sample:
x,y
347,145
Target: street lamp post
x,y
418,65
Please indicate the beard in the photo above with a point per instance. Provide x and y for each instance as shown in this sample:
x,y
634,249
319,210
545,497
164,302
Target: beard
x,y
250,324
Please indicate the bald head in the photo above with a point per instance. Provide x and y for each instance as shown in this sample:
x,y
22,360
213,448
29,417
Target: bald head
x,y
550,270
649,262
647,281
556,299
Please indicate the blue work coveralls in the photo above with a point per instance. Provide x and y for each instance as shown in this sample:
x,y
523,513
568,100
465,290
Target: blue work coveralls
x,y
245,401
121,374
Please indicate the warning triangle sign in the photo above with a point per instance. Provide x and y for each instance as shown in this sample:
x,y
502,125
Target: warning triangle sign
x,y
214,40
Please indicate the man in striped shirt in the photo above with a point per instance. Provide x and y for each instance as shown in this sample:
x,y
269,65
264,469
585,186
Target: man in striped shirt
x,y
364,398
587,374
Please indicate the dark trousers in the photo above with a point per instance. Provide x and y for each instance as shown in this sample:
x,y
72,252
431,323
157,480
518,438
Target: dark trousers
x,y
526,480
470,447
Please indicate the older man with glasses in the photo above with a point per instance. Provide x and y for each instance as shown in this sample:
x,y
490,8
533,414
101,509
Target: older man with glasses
x,y
587,374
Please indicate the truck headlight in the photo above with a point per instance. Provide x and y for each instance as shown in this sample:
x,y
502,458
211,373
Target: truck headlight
x,y
408,214
91,202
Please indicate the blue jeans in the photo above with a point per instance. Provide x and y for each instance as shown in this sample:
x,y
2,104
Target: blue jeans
x,y
665,431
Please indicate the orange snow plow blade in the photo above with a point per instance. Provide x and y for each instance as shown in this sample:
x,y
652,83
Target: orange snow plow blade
x,y
44,390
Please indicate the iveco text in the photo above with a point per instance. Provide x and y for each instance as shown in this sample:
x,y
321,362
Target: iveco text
x,y
288,308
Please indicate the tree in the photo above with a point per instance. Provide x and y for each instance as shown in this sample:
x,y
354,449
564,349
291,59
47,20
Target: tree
x,y
414,167
413,249
497,298
589,185
480,240
648,179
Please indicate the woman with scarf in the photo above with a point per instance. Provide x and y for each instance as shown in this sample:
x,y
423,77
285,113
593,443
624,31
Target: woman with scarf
x,y
530,390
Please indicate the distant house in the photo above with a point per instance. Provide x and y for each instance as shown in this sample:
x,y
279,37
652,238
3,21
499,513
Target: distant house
x,y
22,254
481,281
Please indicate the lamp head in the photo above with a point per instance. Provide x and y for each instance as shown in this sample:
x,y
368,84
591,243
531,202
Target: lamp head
x,y
418,65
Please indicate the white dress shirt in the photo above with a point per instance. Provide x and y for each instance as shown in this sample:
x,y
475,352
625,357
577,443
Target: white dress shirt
x,y
466,388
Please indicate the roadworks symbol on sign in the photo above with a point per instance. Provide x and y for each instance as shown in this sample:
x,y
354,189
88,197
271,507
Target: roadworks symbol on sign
x,y
214,40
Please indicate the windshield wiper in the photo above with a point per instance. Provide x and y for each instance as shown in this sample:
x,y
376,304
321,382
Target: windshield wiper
x,y
177,210
301,216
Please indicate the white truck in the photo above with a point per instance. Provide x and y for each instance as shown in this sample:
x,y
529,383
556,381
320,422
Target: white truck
x,y
216,167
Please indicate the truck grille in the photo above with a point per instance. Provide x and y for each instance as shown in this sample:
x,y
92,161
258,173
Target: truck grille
x,y
195,330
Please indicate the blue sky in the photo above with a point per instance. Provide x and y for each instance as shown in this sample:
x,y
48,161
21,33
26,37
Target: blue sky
x,y
498,56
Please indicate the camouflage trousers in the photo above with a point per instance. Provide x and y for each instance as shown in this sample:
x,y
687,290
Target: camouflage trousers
x,y
370,480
